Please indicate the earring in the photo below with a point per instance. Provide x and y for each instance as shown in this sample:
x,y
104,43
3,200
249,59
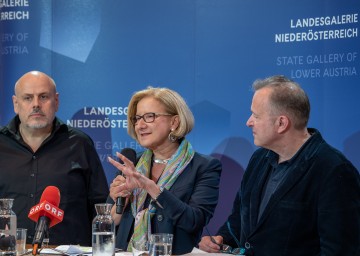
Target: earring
x,y
171,136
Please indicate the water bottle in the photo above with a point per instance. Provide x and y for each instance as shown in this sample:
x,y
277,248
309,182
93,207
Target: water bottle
x,y
7,227
103,231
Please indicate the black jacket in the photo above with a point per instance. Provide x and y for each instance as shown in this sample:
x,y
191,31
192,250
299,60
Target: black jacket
x,y
316,211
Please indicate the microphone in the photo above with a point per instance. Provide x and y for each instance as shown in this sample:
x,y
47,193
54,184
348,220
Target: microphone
x,y
130,154
46,214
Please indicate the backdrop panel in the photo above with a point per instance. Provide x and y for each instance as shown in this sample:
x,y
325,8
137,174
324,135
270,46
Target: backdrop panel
x,y
210,51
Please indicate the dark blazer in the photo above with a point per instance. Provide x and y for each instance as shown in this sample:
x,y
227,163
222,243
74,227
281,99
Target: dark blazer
x,y
187,206
316,211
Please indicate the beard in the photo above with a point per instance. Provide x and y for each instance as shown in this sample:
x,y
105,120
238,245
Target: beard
x,y
38,124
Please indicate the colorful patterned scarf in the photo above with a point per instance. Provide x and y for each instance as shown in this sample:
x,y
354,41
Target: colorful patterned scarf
x,y
175,166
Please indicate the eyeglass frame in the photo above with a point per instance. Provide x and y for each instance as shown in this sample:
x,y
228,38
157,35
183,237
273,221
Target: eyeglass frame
x,y
135,119
227,249
235,251
224,248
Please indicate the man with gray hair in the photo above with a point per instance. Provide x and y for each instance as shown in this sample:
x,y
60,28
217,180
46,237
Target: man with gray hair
x,y
299,195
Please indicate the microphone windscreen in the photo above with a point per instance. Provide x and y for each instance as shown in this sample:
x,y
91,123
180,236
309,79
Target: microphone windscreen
x,y
130,154
48,206
52,195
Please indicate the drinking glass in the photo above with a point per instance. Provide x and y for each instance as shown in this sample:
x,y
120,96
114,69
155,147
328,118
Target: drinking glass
x,y
160,244
139,248
20,241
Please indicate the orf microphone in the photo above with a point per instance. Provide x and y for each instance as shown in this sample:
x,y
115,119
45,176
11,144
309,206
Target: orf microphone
x,y
130,154
46,214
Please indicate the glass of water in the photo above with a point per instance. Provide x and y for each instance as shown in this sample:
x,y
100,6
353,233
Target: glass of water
x,y
140,248
160,244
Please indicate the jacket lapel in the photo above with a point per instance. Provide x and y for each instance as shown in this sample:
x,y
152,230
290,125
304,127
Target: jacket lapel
x,y
256,196
290,181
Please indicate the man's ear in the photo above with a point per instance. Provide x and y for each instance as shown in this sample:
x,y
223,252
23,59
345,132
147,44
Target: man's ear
x,y
15,103
283,123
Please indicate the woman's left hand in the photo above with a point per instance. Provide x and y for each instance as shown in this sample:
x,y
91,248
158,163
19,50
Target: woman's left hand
x,y
133,178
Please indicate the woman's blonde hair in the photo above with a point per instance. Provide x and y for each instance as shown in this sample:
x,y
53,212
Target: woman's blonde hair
x,y
174,104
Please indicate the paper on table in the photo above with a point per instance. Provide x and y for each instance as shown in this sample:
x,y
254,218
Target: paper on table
x,y
67,249
123,254
198,252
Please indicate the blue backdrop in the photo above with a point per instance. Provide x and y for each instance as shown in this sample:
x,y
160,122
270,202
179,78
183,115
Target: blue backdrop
x,y
210,51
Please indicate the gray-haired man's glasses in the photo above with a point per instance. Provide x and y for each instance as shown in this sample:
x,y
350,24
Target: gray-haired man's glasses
x,y
224,248
236,251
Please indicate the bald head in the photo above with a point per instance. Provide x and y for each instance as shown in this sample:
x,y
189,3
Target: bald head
x,y
35,100
34,76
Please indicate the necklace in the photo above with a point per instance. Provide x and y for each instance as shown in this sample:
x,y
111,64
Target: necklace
x,y
161,161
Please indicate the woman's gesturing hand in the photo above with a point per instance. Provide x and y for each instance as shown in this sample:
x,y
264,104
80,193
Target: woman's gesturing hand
x,y
132,179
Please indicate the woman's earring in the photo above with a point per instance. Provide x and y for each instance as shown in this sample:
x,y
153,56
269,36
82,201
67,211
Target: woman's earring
x,y
171,136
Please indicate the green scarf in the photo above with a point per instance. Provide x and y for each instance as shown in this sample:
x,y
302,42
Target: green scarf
x,y
175,166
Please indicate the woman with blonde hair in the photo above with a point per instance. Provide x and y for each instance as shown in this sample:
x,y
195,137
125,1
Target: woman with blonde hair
x,y
172,188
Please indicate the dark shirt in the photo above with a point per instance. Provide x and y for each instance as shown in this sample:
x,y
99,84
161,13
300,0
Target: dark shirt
x,y
314,211
274,179
68,160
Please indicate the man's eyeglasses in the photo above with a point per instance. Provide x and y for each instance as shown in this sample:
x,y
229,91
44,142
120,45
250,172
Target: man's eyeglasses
x,y
224,248
236,251
148,117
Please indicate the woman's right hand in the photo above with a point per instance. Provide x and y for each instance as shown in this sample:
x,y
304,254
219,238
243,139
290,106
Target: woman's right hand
x,y
118,188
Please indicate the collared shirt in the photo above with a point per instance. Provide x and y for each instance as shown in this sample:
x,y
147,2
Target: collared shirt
x,y
68,160
276,176
274,179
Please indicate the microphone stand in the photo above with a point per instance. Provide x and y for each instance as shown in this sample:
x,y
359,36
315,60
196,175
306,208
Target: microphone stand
x,y
45,242
41,242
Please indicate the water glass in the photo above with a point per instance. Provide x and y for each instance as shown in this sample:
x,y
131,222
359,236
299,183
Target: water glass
x,y
20,241
160,244
139,248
